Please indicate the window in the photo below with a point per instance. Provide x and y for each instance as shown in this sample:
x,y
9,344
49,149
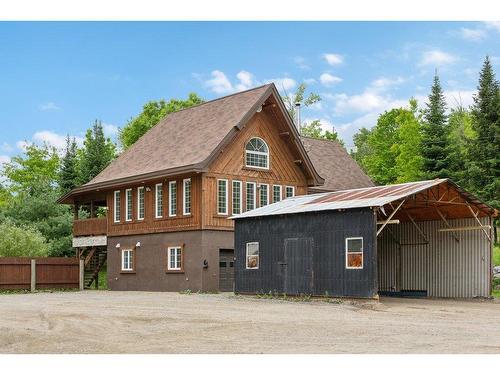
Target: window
x,y
127,260
354,252
222,197
251,198
116,207
159,200
128,204
186,202
276,193
252,255
290,191
140,203
174,259
172,198
263,195
236,197
257,154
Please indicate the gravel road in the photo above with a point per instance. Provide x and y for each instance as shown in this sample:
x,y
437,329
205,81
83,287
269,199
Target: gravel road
x,y
143,322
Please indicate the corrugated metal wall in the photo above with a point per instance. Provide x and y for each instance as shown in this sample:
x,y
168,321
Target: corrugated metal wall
x,y
443,267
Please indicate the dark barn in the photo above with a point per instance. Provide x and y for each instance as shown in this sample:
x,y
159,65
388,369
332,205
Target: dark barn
x,y
428,238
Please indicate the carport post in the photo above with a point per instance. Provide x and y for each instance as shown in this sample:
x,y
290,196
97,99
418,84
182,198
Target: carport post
x,y
33,275
81,269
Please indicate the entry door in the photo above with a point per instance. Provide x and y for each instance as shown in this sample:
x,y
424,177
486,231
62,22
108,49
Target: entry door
x,y
299,265
226,270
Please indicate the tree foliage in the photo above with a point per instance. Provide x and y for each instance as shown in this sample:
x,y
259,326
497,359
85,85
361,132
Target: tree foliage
x,y
314,130
299,96
68,175
21,241
152,113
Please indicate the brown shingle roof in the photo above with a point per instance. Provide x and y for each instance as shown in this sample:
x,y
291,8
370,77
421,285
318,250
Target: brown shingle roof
x,y
335,165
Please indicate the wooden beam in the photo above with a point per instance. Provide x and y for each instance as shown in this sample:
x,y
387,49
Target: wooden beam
x,y
285,134
298,161
447,224
460,229
390,222
390,216
416,226
479,221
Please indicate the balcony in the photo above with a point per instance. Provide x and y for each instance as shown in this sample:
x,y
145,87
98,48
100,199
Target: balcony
x,y
96,226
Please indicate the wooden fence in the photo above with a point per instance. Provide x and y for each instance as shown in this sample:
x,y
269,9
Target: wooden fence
x,y
41,273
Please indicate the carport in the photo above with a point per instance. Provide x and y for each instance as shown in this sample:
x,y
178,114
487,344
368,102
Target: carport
x,y
427,238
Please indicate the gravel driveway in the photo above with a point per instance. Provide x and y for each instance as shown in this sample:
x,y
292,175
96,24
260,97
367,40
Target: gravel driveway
x,y
143,322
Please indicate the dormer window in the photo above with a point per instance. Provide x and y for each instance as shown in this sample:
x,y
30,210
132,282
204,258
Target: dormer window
x,y
257,154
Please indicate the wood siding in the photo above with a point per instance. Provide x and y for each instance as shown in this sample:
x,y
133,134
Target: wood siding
x,y
90,227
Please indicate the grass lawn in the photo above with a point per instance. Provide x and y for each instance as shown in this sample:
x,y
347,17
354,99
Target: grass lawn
x,y
103,279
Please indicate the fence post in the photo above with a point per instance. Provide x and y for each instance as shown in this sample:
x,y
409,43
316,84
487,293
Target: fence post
x,y
82,269
33,275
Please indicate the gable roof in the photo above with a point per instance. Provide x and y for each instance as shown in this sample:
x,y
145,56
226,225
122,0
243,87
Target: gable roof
x,y
339,170
189,139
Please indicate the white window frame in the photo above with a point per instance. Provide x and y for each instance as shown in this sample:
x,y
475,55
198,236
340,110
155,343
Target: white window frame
x,y
267,198
219,212
170,200
281,193
293,191
240,184
130,260
357,252
117,207
246,256
184,196
139,190
254,195
129,214
159,187
169,257
268,154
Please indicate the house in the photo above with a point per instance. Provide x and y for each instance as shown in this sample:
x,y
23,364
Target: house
x,y
159,213
427,238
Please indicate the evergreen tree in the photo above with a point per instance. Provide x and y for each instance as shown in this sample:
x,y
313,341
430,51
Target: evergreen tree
x,y
68,177
96,154
434,134
484,165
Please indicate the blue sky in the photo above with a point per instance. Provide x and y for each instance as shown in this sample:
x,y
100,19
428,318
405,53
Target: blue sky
x,y
56,78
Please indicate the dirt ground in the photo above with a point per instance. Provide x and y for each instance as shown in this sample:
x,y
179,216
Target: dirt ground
x,y
143,322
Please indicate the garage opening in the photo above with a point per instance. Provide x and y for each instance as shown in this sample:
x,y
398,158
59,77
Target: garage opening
x,y
226,270
436,242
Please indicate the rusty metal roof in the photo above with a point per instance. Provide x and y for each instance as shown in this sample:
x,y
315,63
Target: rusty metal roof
x,y
375,196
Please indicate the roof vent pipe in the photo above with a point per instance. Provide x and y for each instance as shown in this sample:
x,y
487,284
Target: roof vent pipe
x,y
297,116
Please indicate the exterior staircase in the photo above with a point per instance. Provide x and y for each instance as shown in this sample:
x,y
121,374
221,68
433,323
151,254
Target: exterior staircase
x,y
95,260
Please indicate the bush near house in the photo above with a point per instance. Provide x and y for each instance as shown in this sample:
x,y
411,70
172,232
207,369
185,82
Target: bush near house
x,y
21,241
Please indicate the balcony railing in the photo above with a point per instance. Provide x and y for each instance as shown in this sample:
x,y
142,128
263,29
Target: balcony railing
x,y
90,227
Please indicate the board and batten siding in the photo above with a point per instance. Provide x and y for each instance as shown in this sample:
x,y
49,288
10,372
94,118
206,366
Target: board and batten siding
x,y
443,268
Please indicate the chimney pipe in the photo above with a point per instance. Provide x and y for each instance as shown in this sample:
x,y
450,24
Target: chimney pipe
x,y
297,116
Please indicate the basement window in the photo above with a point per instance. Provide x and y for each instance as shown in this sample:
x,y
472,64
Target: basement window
x,y
252,255
354,253
174,261
127,260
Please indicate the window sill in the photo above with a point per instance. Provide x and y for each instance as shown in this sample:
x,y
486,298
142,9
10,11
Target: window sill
x,y
266,170
174,271
219,216
125,272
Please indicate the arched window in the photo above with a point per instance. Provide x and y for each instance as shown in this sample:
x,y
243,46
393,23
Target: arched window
x,y
257,154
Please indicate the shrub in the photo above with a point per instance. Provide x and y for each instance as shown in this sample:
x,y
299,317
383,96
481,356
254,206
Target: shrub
x,y
21,241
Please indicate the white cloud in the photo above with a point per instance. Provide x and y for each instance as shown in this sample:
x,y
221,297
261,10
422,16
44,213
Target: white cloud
x,y
333,58
219,83
246,79
301,63
50,138
473,35
455,98
285,83
49,106
383,83
494,25
437,58
6,147
22,145
110,130
310,81
327,79
4,159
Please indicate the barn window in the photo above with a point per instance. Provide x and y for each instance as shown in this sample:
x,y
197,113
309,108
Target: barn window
x,y
257,154
222,197
236,197
186,202
289,191
263,195
158,200
172,198
174,261
128,204
116,207
140,203
251,196
354,252
252,255
276,193
127,260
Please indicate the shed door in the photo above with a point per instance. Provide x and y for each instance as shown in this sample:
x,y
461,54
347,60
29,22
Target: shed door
x,y
299,265
226,270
